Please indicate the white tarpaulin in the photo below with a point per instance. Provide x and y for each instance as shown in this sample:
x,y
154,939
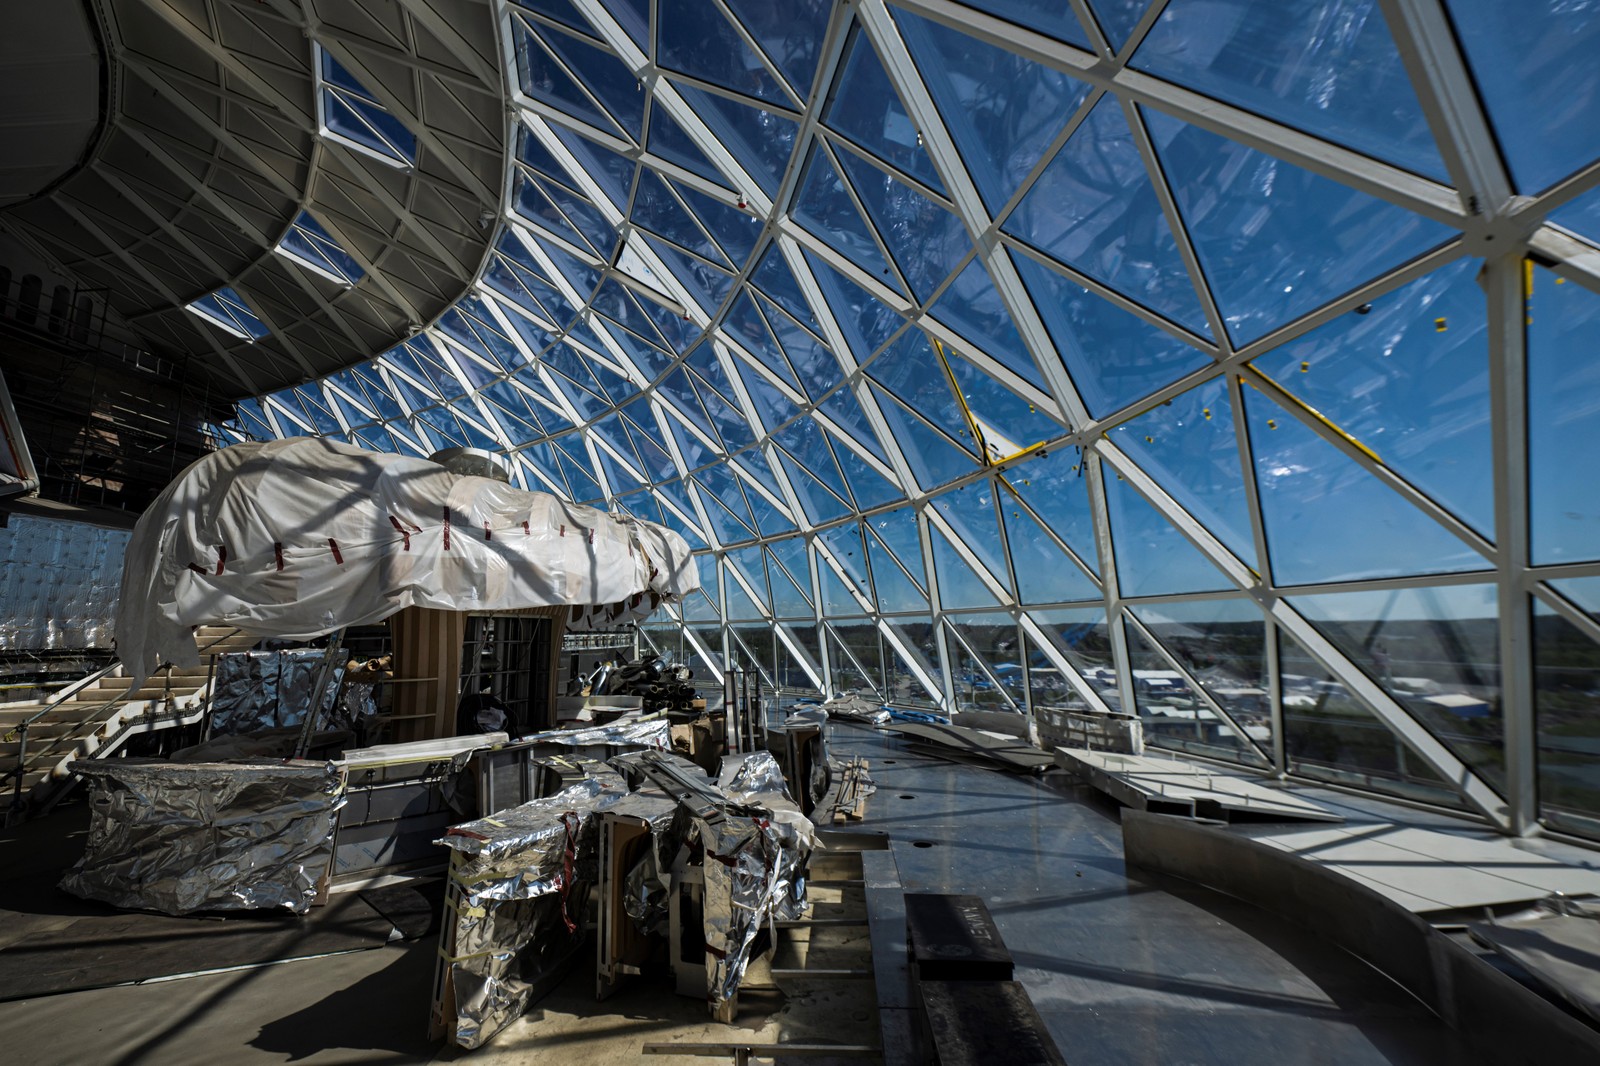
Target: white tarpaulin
x,y
296,538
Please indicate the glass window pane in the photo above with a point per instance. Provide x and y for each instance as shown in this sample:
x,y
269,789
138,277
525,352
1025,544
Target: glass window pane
x,y
1329,519
1094,208
1407,375
1276,241
1567,697
1329,67
1533,63
1435,651
1563,418
1172,715
1331,735
987,662
1001,109
1222,643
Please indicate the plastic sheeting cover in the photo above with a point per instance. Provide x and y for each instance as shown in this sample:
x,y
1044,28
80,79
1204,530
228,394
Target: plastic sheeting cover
x,y
180,838
298,537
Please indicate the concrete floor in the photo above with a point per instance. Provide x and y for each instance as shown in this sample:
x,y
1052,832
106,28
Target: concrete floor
x,y
1124,967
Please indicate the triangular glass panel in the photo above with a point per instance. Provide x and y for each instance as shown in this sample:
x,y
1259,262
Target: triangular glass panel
x,y
845,410
1328,519
790,553
870,488
725,525
846,571
775,280
1095,209
1435,651
818,368
969,511
532,152
1337,74
867,321
895,591
735,230
792,37
1080,635
740,606
1008,423
855,656
902,684
821,505
1563,328
745,323
959,584
972,306
865,108
1580,216
1222,644
1330,735
772,406
1583,591
1049,17
933,457
910,369
1533,102
1118,18
759,138
708,285
1310,239
1045,573
1153,558
543,79
926,240
1001,108
753,644
695,39
1188,446
788,599
1114,357
561,11
657,210
1376,373
606,76
670,142
724,486
824,207
980,645
1172,716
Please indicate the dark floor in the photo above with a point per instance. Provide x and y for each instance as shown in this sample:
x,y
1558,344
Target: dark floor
x,y
1124,967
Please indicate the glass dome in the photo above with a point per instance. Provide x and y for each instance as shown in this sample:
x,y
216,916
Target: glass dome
x,y
1219,361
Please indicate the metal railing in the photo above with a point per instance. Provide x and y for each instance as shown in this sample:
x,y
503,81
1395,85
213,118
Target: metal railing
x,y
18,734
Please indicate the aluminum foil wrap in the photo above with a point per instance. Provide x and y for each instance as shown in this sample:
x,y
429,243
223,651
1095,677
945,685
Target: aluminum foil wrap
x,y
647,885
856,709
180,838
646,733
519,887
257,690
756,855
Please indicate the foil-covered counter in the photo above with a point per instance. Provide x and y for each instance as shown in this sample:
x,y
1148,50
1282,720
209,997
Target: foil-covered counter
x,y
514,908
181,838
520,879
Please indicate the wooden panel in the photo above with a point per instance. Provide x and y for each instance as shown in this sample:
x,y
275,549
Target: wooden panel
x,y
427,645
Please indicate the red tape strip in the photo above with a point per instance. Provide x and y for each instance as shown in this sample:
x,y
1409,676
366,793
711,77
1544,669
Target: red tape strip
x,y
222,556
335,546
447,529
402,531
277,551
486,534
197,568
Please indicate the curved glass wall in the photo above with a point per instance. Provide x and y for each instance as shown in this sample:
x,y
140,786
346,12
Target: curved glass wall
x,y
1223,363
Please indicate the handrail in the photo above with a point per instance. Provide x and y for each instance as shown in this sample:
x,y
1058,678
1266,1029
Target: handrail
x,y
19,732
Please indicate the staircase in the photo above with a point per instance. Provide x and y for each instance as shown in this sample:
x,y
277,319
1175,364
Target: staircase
x,y
94,717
